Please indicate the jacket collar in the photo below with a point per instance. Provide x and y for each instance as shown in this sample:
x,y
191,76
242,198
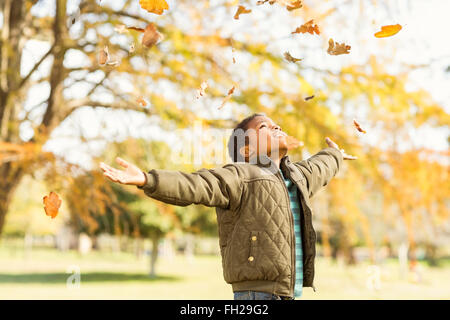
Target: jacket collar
x,y
266,162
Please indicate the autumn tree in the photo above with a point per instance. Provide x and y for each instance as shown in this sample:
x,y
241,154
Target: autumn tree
x,y
249,58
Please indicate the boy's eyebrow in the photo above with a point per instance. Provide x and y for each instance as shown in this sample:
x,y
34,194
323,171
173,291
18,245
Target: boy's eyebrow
x,y
261,121
257,122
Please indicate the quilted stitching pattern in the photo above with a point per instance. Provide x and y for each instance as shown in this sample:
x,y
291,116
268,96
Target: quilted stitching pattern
x,y
269,215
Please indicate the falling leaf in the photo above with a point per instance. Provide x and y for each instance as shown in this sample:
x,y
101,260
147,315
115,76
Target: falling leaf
x,y
309,98
228,97
112,63
154,6
290,58
387,31
73,17
290,5
233,50
234,59
103,56
141,101
293,143
294,5
260,2
151,36
308,27
201,90
337,48
120,28
132,48
241,10
105,59
52,202
358,127
136,29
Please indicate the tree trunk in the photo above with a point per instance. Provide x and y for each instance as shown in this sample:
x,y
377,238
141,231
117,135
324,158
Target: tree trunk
x,y
11,42
55,100
10,176
10,59
431,255
154,255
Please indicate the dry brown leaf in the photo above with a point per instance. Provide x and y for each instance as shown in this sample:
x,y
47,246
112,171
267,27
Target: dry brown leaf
x,y
241,10
151,36
136,29
105,59
308,27
201,90
290,5
358,127
290,58
294,5
120,28
103,56
73,17
337,48
132,48
228,97
141,101
260,2
52,202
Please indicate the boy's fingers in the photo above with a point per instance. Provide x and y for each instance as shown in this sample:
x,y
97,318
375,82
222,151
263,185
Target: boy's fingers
x,y
106,167
122,162
109,169
331,143
111,177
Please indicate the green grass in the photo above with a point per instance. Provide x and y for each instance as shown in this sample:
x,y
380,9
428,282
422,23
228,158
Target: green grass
x,y
42,274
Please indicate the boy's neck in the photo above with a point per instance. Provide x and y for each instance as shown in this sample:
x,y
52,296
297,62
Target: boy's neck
x,y
277,159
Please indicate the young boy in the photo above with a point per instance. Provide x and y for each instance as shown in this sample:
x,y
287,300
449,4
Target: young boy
x,y
262,200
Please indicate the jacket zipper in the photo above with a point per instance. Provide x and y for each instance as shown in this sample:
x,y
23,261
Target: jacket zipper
x,y
291,219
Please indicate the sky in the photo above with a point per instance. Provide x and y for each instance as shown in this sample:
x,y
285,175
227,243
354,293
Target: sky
x,y
423,40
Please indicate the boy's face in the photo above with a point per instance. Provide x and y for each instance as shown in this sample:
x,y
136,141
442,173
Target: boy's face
x,y
265,137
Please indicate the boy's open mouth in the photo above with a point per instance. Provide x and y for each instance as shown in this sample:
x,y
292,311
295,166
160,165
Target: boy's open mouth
x,y
279,134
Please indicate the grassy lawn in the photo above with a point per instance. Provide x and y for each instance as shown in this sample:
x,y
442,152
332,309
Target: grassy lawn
x,y
42,274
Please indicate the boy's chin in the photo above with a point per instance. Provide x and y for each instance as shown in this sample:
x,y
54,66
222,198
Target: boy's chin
x,y
283,149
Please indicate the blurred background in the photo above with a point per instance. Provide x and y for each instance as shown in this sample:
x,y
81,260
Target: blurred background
x,y
383,223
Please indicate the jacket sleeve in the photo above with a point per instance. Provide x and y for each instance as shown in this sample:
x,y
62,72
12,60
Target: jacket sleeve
x,y
320,168
218,187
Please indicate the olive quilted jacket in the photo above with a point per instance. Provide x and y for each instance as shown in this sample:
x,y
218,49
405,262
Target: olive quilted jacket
x,y
256,231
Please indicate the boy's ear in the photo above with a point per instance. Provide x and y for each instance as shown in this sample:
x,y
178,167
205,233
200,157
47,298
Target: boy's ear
x,y
246,151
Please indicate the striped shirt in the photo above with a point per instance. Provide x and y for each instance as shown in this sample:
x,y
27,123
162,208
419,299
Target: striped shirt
x,y
295,208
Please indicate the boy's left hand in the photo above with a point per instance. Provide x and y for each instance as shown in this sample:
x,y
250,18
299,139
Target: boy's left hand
x,y
333,144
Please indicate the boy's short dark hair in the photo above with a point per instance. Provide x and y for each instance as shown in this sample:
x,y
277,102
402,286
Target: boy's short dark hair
x,y
238,138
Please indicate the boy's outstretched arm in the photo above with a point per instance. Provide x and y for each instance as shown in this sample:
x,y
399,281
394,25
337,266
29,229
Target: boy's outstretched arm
x,y
218,187
323,166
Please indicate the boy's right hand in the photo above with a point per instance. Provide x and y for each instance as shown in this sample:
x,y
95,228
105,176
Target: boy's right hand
x,y
333,144
131,175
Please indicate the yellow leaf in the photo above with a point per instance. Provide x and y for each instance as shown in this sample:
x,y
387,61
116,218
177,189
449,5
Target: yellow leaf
x,y
154,6
387,31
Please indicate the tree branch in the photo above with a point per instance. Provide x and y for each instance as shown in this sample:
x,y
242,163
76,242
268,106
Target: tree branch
x,y
25,79
87,102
